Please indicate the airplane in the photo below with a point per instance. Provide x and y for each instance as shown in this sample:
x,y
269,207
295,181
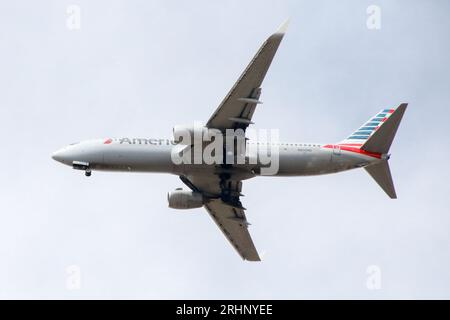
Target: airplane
x,y
217,187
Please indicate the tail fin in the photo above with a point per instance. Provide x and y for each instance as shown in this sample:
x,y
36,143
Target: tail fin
x,y
376,136
381,173
381,139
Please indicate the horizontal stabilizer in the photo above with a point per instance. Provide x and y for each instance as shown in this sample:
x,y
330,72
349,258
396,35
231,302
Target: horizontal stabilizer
x,y
381,173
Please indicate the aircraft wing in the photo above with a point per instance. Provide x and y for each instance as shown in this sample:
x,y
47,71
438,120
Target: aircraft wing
x,y
235,112
226,210
234,225
237,108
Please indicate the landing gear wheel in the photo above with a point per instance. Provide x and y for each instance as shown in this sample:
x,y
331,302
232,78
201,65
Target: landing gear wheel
x,y
87,173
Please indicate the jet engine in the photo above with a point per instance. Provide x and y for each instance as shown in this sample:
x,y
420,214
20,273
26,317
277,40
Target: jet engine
x,y
185,134
183,199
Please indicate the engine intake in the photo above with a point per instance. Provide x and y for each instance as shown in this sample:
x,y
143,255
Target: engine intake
x,y
183,199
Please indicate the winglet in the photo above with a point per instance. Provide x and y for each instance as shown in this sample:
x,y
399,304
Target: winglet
x,y
283,28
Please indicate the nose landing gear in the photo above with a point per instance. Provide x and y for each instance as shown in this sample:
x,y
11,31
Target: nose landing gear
x,y
78,165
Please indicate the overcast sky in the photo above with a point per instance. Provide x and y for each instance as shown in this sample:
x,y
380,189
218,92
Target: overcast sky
x,y
136,68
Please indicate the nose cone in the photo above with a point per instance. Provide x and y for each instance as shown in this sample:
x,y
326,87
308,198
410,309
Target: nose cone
x,y
88,151
60,156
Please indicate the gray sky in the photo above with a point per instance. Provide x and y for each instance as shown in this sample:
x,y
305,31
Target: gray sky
x,y
136,68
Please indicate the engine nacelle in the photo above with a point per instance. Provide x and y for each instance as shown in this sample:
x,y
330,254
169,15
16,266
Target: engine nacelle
x,y
183,199
185,134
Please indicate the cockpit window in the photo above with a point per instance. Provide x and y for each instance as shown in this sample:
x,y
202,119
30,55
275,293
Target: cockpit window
x,y
72,144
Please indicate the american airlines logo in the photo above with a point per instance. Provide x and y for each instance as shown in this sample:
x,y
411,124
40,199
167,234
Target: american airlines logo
x,y
157,142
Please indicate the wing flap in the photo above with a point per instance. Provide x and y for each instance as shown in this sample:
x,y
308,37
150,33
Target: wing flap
x,y
229,216
234,225
241,100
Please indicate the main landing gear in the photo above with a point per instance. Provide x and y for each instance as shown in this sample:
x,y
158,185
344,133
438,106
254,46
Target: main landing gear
x,y
88,172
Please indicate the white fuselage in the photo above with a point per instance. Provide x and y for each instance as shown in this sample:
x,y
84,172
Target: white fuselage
x,y
154,155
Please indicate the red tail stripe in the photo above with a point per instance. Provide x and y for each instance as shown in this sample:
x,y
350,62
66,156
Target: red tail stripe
x,y
351,144
356,150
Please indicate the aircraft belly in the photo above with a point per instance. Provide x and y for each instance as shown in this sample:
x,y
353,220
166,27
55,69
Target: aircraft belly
x,y
304,162
139,158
